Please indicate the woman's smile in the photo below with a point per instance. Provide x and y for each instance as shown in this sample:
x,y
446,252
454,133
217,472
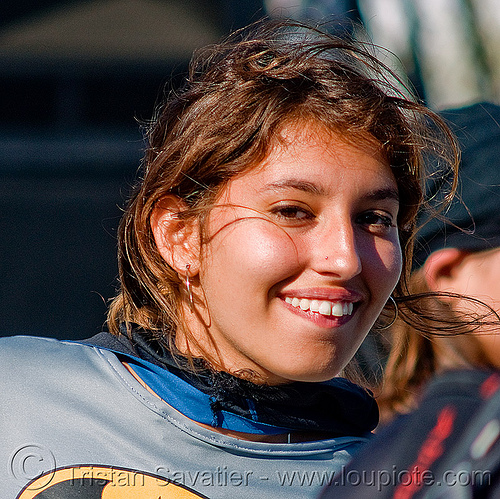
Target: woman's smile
x,y
322,307
301,254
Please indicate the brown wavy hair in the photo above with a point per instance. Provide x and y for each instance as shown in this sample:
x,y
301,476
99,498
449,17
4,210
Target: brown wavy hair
x,y
237,98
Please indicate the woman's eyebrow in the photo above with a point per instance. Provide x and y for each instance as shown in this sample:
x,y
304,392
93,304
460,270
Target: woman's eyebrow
x,y
301,185
384,193
311,188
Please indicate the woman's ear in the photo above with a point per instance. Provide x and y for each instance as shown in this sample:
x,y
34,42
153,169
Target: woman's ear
x,y
177,239
442,269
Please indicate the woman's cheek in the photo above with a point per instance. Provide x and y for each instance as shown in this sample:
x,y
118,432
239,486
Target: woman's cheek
x,y
393,262
256,248
268,250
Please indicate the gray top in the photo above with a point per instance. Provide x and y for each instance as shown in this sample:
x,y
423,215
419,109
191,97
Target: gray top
x,y
73,416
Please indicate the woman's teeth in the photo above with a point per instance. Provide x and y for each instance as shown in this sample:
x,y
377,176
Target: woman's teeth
x,y
323,307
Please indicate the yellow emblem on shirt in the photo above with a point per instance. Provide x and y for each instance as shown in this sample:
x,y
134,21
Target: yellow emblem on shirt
x,y
103,482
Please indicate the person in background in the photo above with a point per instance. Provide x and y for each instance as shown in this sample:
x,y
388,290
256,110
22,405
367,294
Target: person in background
x,y
446,382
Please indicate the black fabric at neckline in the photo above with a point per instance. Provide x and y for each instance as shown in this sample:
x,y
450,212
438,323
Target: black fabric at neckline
x,y
337,407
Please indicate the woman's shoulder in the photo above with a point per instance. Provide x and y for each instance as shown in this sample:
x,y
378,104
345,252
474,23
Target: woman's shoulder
x,y
30,359
24,341
15,347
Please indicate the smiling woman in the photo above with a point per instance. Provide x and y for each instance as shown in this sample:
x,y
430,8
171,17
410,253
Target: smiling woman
x,y
269,231
302,226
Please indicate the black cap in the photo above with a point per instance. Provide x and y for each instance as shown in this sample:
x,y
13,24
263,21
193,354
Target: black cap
x,y
473,221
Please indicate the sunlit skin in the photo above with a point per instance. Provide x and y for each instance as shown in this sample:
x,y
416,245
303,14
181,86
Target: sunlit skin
x,y
478,275
315,220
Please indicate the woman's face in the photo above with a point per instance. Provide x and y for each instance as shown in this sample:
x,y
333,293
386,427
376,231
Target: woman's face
x,y
300,257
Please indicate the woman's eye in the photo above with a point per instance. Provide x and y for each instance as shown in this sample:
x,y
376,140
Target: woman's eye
x,y
376,220
290,212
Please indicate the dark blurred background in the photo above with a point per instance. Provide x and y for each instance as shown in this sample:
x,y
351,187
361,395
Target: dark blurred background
x,y
78,77
76,80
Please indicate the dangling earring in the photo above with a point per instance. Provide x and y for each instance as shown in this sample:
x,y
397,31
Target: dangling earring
x,y
188,288
396,313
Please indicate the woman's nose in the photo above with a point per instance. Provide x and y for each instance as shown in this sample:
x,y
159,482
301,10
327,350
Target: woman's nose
x,y
337,253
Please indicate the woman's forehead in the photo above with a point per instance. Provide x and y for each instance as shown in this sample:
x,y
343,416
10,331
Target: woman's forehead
x,y
310,131
304,138
317,161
